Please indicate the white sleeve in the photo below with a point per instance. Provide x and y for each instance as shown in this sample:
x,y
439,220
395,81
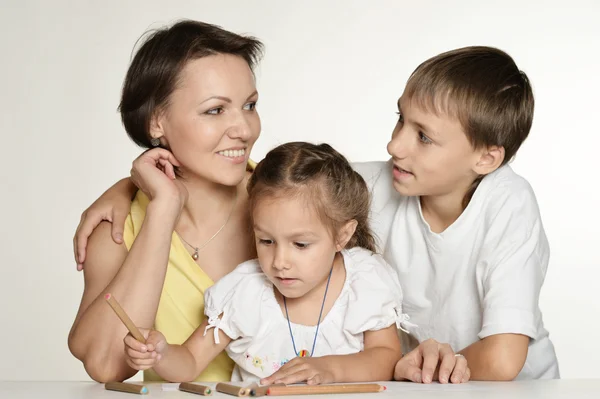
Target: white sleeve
x,y
375,296
518,261
231,303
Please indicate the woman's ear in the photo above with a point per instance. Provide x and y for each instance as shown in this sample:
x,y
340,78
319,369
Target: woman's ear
x,y
491,159
157,126
345,233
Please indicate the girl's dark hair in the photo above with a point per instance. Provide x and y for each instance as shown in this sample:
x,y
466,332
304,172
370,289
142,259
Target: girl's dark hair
x,y
338,193
154,72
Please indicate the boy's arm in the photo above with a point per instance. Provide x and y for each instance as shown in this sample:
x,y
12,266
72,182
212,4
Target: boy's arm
x,y
516,262
498,357
376,362
183,363
113,206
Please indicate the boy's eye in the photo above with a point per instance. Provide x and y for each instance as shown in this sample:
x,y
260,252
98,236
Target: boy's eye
x,y
400,117
250,106
265,242
301,245
424,139
215,111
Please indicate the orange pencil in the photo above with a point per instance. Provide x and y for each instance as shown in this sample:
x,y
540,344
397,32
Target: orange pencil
x,y
124,318
324,389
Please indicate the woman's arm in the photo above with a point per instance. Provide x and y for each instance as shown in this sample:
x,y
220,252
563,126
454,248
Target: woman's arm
x,y
113,206
376,362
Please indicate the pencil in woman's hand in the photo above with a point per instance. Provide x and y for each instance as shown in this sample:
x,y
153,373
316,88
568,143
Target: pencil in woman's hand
x,y
124,318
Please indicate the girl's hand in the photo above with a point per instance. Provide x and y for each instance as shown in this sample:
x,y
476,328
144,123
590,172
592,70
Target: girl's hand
x,y
141,356
313,370
432,361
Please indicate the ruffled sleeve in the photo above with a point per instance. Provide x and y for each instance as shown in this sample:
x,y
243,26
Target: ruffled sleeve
x,y
231,305
375,295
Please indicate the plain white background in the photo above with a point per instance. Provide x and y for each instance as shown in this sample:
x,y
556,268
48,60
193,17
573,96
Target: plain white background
x,y
333,71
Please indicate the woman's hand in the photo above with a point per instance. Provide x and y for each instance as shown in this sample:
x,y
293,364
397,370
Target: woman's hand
x,y
153,172
141,356
432,361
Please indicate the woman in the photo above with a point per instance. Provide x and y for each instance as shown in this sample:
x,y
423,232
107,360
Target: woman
x,y
190,88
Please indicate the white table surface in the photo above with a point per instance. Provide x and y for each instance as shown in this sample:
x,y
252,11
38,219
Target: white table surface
x,y
553,389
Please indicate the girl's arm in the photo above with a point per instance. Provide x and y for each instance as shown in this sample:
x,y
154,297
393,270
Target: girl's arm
x,y
375,363
182,363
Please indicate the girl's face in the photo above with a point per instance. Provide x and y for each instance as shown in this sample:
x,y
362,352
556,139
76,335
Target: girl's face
x,y
211,123
295,249
431,153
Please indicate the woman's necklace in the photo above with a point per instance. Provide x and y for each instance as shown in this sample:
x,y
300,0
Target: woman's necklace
x,y
201,247
304,352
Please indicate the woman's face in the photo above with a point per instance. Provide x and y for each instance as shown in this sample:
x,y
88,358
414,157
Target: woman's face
x,y
210,122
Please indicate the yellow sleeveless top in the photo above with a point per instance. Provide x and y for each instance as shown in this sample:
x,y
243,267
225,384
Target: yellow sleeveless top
x,y
181,307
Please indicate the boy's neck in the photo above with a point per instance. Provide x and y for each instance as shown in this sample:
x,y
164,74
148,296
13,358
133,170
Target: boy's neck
x,y
441,211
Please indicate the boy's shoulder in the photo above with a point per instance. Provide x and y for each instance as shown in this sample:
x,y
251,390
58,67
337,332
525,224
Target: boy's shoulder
x,y
506,193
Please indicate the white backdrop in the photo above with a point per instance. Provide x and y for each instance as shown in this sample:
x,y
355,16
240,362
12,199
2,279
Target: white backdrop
x,y
333,72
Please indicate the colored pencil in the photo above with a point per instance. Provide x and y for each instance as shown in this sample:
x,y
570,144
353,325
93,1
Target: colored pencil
x,y
124,318
126,387
256,390
232,389
324,389
195,388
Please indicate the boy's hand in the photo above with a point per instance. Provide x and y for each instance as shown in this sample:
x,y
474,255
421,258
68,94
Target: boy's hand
x,y
313,370
432,361
141,356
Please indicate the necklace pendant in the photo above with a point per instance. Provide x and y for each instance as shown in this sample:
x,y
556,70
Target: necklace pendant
x,y
195,255
303,353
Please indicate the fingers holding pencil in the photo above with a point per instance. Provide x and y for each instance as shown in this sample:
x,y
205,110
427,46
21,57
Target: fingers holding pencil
x,y
141,356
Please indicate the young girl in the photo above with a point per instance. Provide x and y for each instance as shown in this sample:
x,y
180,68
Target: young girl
x,y
318,305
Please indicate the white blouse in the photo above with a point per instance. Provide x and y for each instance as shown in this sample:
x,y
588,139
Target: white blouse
x,y
370,300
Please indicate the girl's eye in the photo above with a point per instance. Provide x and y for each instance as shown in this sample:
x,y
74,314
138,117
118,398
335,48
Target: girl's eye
x,y
400,117
215,111
424,139
265,242
301,245
250,106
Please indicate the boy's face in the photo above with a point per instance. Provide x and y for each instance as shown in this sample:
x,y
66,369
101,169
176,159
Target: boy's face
x,y
431,153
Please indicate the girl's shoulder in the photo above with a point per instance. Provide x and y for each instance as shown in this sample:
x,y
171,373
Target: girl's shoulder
x,y
241,287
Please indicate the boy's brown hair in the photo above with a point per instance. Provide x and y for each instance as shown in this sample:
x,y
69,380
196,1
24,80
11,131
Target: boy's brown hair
x,y
484,89
324,177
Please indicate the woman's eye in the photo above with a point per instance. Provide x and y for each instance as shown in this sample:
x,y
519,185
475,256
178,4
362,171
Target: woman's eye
x,y
400,117
250,106
424,139
215,111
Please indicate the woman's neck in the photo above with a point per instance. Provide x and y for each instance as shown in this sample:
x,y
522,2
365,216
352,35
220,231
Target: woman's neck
x,y
207,201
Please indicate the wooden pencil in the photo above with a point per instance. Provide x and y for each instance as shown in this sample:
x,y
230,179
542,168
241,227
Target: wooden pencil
x,y
124,318
126,387
232,389
195,388
324,389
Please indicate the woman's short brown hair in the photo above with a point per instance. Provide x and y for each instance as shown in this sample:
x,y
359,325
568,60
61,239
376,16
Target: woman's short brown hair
x,y
153,74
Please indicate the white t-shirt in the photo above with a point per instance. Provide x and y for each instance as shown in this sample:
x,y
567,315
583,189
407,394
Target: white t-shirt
x,y
482,276
370,300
